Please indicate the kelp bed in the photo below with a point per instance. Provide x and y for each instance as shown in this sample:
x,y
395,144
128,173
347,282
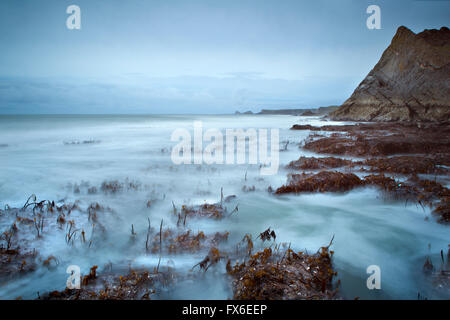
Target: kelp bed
x,y
284,275
257,269
30,224
391,150
274,272
269,274
134,285
398,159
381,139
424,192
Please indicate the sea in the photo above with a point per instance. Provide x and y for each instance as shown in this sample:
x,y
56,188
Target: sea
x,y
67,158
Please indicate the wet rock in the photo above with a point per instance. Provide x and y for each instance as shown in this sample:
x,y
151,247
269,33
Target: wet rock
x,y
408,164
383,140
409,83
135,285
212,211
184,241
305,127
442,210
14,263
269,275
305,163
324,181
308,113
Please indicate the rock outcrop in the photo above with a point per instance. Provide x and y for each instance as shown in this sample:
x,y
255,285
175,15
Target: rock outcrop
x,y
411,82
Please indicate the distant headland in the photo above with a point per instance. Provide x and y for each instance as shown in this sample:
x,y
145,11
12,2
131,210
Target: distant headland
x,y
319,111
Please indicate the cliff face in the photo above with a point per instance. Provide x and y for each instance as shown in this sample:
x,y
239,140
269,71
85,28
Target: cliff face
x,y
411,82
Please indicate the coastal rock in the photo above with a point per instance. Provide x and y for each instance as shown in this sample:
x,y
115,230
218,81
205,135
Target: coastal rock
x,y
308,113
410,82
321,111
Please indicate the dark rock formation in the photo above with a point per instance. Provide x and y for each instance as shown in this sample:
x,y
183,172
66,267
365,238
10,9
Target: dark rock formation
x,y
291,112
411,82
308,113
246,112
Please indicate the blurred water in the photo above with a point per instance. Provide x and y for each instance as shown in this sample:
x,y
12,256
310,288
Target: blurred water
x,y
368,230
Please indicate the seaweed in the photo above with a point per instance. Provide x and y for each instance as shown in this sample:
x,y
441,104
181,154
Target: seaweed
x,y
7,237
70,232
422,191
248,188
439,277
267,235
48,262
14,263
305,163
91,276
149,229
39,224
185,241
268,275
92,235
382,140
160,245
111,186
324,181
212,258
211,211
115,186
246,243
442,210
407,165
135,285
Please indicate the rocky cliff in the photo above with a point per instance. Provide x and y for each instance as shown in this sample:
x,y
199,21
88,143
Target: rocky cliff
x,y
411,82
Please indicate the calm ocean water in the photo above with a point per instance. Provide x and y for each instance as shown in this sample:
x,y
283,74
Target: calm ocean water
x,y
41,155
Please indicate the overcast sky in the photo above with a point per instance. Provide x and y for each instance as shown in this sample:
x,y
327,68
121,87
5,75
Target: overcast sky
x,y
193,56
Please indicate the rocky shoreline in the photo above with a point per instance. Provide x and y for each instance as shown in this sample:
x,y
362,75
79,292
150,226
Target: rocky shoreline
x,y
410,83
405,162
417,154
274,272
